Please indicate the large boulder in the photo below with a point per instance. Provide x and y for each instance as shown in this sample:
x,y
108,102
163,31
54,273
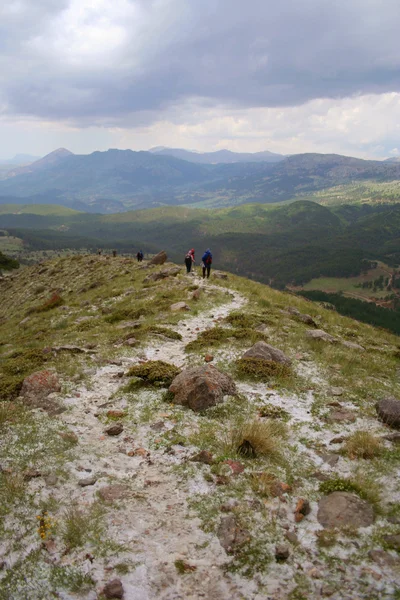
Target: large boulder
x,y
388,410
320,334
159,259
201,387
172,272
267,352
342,509
304,318
40,384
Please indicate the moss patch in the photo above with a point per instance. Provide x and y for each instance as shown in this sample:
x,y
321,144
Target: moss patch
x,y
14,370
154,372
274,412
364,489
260,369
217,335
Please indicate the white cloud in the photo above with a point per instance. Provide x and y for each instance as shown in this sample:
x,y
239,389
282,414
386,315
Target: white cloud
x,y
293,76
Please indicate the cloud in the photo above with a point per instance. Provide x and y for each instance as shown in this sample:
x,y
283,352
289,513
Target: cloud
x,y
127,62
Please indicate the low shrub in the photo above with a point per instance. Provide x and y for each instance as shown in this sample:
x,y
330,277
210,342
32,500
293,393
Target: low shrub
x,y
257,438
362,444
260,369
54,301
154,372
274,412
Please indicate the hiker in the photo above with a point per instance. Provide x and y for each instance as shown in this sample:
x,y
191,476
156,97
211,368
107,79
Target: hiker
x,y
189,260
139,256
206,261
99,251
114,253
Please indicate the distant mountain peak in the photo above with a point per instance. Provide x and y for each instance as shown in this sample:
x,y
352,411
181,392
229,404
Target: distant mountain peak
x,y
218,156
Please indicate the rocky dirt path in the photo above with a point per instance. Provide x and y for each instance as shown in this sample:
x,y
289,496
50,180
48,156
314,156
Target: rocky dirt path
x,y
147,503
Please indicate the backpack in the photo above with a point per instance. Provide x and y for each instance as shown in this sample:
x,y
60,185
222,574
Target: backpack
x,y
208,259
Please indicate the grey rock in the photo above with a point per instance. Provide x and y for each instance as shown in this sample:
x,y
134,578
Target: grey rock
x,y
51,479
329,458
339,439
341,415
40,384
111,493
353,346
70,348
320,334
307,319
114,429
128,325
113,589
231,536
179,306
87,481
336,391
393,437
327,590
203,457
304,318
159,259
291,536
282,552
172,272
131,342
393,541
388,410
267,352
341,509
201,387
219,275
383,558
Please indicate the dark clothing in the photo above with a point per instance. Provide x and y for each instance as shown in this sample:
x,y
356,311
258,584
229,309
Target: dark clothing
x,y
139,256
188,263
206,268
207,261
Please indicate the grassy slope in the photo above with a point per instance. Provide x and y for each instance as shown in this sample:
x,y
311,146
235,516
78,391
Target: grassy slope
x,y
293,243
37,209
96,288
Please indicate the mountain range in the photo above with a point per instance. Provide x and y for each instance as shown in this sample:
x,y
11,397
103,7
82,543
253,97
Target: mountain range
x,y
119,180
218,157
19,159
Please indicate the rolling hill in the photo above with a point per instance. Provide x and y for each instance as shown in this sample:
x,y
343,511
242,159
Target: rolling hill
x,y
289,244
219,156
119,180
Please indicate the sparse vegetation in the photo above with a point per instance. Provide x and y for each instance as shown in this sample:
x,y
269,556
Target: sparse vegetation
x,y
260,369
274,412
153,372
254,439
366,488
363,444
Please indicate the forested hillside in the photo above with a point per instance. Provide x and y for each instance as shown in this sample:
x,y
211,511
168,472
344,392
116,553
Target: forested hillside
x,y
286,245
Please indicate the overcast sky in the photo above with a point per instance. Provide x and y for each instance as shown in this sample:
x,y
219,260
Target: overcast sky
x,y
282,75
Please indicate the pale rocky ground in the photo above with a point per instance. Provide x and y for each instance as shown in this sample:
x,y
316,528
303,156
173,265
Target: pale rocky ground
x,y
159,524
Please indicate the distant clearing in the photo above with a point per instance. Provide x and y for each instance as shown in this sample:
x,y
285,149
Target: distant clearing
x,y
37,209
350,286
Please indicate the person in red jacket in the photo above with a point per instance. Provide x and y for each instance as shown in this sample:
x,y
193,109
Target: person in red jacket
x,y
189,260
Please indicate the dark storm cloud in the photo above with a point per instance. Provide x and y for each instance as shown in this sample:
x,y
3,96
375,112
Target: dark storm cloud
x,y
101,62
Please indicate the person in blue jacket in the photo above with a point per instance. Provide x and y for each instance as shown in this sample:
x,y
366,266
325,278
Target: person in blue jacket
x,y
206,262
